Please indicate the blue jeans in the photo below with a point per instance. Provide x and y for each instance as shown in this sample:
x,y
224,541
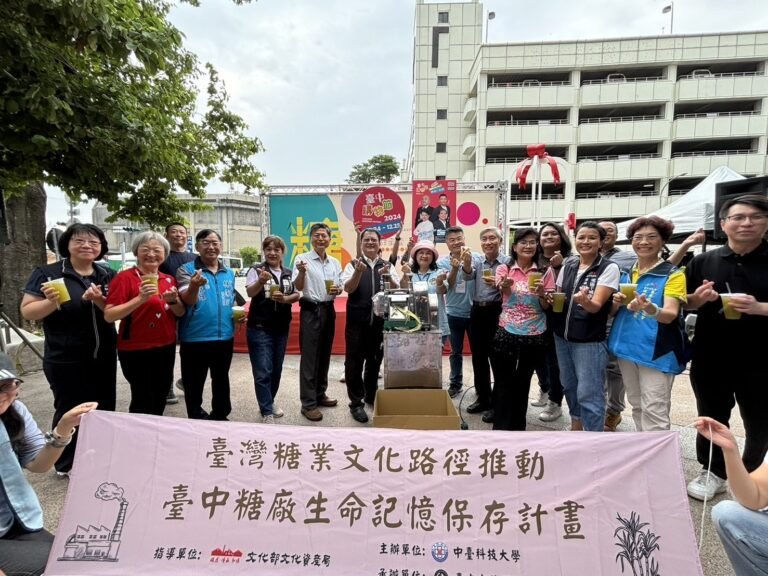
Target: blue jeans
x,y
267,352
582,372
459,326
744,534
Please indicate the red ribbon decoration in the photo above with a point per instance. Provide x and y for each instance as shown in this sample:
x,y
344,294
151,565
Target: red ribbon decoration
x,y
539,151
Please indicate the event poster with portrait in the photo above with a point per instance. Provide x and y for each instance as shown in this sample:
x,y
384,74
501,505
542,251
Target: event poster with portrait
x,y
291,216
434,209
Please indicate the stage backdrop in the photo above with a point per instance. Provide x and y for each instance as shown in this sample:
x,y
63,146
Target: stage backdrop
x,y
164,496
384,207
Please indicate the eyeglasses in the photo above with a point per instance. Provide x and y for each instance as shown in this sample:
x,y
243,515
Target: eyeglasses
x,y
648,237
90,243
8,386
210,243
528,244
754,218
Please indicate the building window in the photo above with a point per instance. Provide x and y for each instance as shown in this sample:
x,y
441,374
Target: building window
x,y
442,17
442,80
442,114
440,177
440,147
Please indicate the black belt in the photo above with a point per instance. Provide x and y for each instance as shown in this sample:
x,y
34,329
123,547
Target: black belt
x,y
486,303
312,305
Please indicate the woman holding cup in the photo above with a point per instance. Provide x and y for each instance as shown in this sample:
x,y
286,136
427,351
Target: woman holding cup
x,y
423,268
519,343
147,303
580,330
554,249
647,335
272,294
68,297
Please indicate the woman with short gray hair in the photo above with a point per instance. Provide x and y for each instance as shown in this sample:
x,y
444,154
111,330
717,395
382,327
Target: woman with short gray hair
x,y
147,303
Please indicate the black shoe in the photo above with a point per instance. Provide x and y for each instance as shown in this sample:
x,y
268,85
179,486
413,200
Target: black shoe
x,y
488,417
454,391
358,413
476,407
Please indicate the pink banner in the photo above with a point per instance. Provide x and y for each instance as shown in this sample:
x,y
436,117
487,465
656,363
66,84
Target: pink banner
x,y
170,496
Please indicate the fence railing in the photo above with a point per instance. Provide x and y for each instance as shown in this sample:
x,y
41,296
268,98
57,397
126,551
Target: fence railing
x,y
600,158
504,160
712,153
616,194
527,122
529,83
716,114
621,80
620,119
701,76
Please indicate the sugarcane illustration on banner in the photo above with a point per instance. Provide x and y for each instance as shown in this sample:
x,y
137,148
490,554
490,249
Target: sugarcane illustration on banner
x,y
537,156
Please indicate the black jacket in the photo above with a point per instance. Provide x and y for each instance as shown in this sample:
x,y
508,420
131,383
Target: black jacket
x,y
575,324
78,330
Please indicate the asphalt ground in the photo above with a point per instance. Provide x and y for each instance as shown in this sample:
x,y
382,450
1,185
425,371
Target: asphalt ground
x,y
52,489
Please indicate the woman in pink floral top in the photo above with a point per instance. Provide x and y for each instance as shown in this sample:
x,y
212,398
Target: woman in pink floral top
x,y
519,343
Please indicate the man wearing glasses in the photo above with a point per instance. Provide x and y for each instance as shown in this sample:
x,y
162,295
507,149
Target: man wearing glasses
x,y
317,275
728,363
176,234
207,330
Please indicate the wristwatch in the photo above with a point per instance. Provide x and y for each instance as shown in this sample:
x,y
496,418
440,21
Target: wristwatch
x,y
55,441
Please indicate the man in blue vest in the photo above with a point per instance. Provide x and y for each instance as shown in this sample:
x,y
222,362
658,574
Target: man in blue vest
x,y
364,333
206,331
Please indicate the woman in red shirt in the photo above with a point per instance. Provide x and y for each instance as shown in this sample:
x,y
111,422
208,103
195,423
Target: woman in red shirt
x,y
147,303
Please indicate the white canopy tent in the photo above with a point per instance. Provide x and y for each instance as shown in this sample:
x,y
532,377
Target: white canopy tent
x,y
695,209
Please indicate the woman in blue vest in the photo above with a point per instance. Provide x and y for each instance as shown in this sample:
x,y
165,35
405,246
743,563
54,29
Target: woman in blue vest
x,y
24,545
580,329
647,335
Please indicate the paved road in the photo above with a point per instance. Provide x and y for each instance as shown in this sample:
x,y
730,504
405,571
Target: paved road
x,y
52,490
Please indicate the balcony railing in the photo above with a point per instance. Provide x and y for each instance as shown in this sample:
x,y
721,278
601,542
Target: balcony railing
x,y
529,83
716,114
621,80
703,76
712,153
620,119
526,195
505,160
619,157
618,194
527,122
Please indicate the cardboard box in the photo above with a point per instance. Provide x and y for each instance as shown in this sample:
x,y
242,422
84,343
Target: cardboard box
x,y
413,360
415,409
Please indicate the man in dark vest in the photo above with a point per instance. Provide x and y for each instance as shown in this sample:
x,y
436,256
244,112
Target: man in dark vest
x,y
364,333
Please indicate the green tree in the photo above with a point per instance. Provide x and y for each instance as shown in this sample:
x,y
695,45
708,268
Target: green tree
x,y
250,256
100,99
381,168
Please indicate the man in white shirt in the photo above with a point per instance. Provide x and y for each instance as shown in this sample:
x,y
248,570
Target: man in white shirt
x,y
318,276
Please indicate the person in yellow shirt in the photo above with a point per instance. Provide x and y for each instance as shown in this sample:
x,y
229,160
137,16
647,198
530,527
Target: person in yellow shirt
x,y
647,335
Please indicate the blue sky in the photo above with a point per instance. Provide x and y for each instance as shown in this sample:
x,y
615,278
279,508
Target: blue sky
x,y
327,84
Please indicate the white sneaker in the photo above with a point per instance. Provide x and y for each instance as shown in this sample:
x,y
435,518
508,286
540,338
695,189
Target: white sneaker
x,y
551,412
543,399
268,419
277,412
706,486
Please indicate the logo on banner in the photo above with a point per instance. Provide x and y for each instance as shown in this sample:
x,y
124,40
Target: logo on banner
x,y
440,551
441,572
